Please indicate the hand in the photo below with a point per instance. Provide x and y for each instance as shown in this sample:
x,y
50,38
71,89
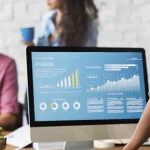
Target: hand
x,y
126,147
129,147
28,43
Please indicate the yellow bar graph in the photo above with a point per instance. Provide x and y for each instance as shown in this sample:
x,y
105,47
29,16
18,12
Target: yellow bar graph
x,y
73,80
77,78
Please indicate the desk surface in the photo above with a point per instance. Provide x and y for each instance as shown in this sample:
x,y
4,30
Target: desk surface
x,y
116,148
8,147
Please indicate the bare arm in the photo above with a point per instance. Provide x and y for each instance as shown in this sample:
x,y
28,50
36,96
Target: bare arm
x,y
8,120
142,131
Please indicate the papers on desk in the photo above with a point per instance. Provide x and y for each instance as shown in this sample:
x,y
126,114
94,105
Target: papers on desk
x,y
19,138
49,146
125,141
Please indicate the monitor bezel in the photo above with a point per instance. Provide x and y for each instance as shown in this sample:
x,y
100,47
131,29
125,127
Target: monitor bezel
x,y
34,123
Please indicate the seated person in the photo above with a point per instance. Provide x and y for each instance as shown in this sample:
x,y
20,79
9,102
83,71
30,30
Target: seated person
x,y
9,108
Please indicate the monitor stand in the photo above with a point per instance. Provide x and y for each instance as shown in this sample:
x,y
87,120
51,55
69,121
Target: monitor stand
x,y
74,145
79,145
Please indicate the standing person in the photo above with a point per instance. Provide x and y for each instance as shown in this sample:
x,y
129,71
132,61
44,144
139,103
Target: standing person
x,y
142,131
68,23
9,108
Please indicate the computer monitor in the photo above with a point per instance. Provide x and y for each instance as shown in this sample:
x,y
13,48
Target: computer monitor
x,y
78,93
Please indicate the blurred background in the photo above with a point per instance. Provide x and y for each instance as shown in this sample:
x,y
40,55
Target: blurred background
x,y
122,23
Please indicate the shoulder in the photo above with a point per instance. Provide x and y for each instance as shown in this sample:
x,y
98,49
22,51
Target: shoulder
x,y
5,58
49,15
6,61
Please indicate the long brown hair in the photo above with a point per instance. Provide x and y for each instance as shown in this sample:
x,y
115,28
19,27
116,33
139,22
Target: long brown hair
x,y
74,23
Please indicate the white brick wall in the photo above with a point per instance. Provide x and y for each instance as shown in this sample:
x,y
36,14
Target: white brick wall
x,y
15,14
123,23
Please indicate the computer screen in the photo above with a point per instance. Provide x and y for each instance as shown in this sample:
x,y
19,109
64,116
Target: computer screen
x,y
83,86
73,86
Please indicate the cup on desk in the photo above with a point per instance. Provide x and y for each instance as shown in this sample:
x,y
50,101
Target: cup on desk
x,y
27,34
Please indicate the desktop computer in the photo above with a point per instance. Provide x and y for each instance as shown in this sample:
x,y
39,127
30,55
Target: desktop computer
x,y
84,94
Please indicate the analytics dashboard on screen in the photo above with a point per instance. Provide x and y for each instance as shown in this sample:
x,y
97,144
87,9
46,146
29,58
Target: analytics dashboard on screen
x,y
88,85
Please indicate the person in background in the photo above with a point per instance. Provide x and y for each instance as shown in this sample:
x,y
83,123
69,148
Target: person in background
x,y
142,131
68,23
9,108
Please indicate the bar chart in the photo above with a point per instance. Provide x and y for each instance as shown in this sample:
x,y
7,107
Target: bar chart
x,y
70,81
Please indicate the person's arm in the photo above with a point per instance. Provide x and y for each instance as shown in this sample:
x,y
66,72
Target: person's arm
x,y
45,30
142,131
8,120
8,99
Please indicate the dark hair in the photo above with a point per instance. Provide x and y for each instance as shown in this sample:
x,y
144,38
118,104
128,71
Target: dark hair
x,y
74,23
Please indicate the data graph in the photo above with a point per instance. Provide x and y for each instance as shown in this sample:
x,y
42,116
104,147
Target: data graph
x,y
123,85
71,81
66,82
88,85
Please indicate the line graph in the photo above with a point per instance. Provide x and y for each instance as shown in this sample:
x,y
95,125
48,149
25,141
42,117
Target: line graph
x,y
123,85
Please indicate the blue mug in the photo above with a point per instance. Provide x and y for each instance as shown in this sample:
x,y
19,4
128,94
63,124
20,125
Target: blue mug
x,y
27,34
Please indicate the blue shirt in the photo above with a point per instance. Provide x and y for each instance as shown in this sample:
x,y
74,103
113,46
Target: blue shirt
x,y
48,28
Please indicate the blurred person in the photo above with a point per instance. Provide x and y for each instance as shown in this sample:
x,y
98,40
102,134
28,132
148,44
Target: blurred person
x,y
68,23
9,108
142,131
